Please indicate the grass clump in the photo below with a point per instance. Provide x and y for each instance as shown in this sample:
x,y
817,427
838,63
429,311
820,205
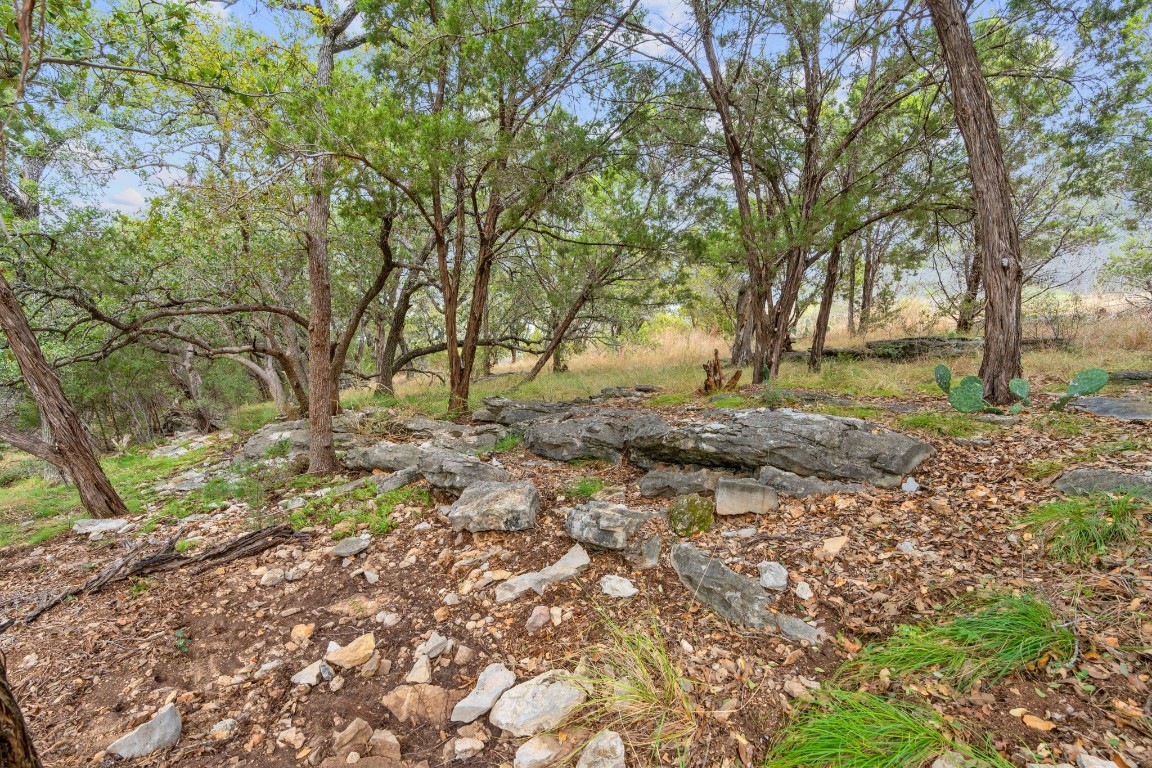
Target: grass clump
x,y
991,637
944,424
1034,470
1080,529
247,489
864,412
636,689
853,729
507,443
345,513
584,488
249,418
279,449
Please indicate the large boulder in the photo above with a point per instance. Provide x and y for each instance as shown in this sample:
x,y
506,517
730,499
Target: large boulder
x,y
456,471
602,433
1083,481
806,444
491,506
503,410
791,484
298,435
1122,408
450,470
740,599
607,526
463,438
670,483
385,455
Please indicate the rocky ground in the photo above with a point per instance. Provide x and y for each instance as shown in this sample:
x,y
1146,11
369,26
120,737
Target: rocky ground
x,y
463,593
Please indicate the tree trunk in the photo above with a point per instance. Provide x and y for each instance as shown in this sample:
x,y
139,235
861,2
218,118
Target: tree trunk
x,y
321,385
70,444
831,277
742,343
966,314
997,236
16,748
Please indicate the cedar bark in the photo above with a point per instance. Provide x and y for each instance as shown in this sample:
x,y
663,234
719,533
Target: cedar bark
x,y
70,447
997,235
16,748
831,277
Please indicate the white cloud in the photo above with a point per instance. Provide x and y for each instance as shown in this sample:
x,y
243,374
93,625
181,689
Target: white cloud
x,y
127,200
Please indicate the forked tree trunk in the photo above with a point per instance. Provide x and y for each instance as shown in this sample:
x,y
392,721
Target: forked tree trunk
x,y
70,447
16,749
997,236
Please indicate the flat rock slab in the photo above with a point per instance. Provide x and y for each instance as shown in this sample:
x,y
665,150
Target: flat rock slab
x,y
1081,481
442,468
161,732
351,546
594,433
297,435
1122,408
791,484
738,598
491,506
573,563
670,483
87,527
806,444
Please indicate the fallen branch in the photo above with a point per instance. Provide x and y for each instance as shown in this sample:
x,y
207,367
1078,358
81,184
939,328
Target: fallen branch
x,y
166,558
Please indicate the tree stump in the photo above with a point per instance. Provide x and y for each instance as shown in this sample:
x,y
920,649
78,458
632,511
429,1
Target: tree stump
x,y
714,376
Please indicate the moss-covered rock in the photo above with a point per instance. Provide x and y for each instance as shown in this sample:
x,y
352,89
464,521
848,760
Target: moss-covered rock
x,y
691,514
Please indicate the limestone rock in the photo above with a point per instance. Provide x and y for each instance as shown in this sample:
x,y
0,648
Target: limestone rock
x,y
424,703
89,527
791,484
574,562
1122,408
735,597
605,750
741,497
773,576
606,526
1077,481
539,752
490,506
617,586
351,546
691,514
493,681
538,705
161,732
596,433
421,671
455,471
827,447
355,735
670,483
354,654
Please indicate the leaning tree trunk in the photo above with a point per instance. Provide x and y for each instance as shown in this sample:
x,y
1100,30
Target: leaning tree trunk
x,y
745,333
998,238
966,316
70,446
831,277
16,749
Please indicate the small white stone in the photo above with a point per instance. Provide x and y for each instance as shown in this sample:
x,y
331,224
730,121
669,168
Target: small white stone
x,y
910,485
803,590
618,586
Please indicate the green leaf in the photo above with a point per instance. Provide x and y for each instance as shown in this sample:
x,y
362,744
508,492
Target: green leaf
x,y
943,375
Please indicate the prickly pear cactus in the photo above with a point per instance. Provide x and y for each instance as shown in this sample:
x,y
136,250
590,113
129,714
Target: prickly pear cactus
x,y
968,395
1021,389
1084,383
943,376
1087,382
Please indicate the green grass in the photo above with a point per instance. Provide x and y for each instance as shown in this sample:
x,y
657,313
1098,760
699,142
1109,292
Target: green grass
x,y
1064,424
944,424
636,689
865,412
186,544
33,510
584,488
667,399
990,637
344,513
847,729
249,418
279,449
1081,528
250,489
507,443
1039,468
733,401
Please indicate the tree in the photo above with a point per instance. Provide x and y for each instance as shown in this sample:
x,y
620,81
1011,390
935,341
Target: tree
x,y
997,235
16,748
